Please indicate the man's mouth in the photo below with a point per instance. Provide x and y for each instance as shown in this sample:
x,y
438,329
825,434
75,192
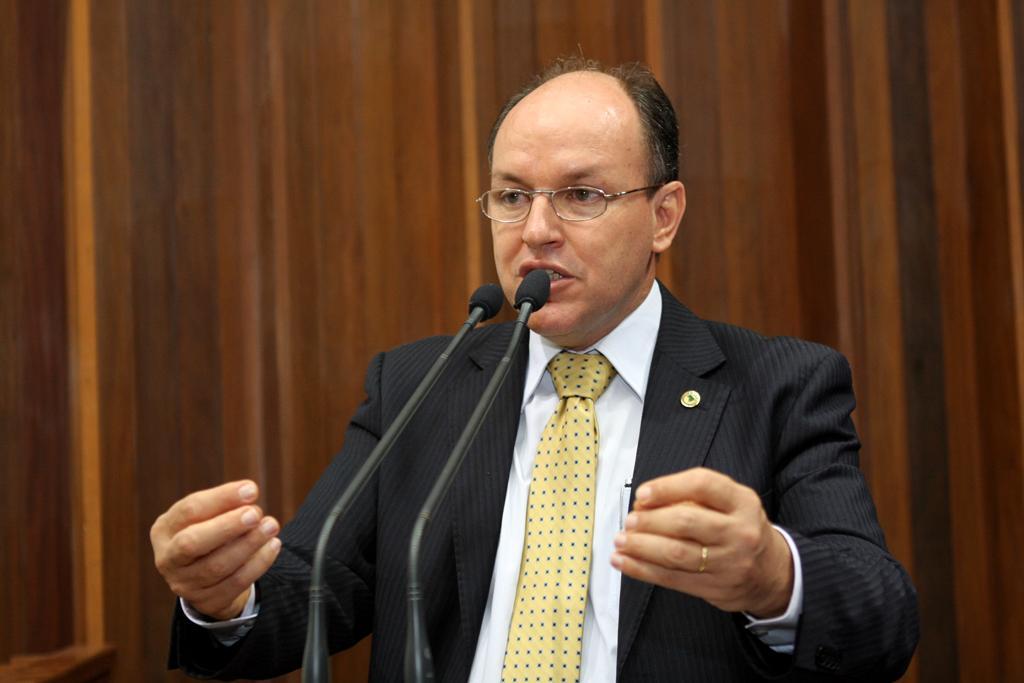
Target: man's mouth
x,y
554,275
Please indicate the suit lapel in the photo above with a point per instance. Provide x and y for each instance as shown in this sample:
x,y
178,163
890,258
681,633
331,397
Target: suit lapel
x,y
672,436
478,492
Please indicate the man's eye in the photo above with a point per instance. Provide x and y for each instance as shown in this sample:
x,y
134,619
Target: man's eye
x,y
513,197
583,195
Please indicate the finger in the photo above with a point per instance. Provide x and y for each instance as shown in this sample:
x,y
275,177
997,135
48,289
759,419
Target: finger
x,y
226,560
699,485
200,539
670,553
686,521
207,504
709,587
699,585
215,599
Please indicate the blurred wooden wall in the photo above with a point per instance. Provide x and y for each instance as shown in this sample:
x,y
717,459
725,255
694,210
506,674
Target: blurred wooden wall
x,y
212,214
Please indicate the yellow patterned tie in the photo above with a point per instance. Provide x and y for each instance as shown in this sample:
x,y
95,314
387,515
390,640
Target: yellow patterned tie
x,y
545,638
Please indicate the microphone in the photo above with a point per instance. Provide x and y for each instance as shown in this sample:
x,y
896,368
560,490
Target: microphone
x,y
483,305
489,298
533,293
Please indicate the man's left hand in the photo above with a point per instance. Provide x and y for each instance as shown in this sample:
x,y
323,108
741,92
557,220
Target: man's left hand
x,y
747,564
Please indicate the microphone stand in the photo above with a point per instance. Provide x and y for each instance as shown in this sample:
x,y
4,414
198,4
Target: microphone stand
x,y
418,660
314,658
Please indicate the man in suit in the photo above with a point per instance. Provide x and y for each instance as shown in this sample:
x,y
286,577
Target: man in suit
x,y
732,535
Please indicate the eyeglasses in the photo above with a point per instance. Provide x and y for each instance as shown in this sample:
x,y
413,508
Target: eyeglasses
x,y
576,203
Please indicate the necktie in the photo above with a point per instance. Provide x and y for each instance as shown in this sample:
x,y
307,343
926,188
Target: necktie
x,y
545,638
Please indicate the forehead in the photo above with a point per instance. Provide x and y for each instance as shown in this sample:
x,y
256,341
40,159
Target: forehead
x,y
571,125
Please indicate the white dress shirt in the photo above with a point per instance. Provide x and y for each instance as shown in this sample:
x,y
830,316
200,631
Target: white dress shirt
x,y
630,348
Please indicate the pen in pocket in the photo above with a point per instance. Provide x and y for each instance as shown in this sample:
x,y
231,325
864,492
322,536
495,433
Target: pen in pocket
x,y
627,490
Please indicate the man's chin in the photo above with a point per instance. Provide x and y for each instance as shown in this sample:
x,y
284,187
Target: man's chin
x,y
545,323
554,325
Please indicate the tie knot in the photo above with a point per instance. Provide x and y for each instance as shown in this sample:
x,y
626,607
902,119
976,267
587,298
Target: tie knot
x,y
580,374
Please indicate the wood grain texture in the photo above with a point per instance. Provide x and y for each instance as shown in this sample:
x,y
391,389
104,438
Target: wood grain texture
x,y
9,424
35,377
922,336
973,598
116,320
278,190
874,224
995,254
73,664
86,475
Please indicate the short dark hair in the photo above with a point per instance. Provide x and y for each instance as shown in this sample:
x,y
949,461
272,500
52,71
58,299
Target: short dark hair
x,y
661,130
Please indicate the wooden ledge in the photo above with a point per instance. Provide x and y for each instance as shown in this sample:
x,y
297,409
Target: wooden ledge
x,y
75,664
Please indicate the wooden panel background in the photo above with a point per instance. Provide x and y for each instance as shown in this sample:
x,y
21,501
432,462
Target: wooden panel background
x,y
35,434
213,214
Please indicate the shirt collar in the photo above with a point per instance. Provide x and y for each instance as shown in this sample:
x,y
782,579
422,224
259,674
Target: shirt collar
x,y
629,347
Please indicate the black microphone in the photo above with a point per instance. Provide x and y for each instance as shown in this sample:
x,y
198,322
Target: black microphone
x,y
533,293
483,305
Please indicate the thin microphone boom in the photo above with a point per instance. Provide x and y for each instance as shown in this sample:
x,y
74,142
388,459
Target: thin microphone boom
x,y
483,305
532,294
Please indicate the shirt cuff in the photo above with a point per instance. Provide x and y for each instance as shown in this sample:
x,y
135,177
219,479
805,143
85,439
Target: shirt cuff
x,y
779,633
229,631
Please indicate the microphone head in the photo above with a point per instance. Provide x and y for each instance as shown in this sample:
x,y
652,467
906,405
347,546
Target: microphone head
x,y
490,298
535,288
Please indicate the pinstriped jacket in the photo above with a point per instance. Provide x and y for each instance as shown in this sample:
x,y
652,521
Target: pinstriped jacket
x,y
774,415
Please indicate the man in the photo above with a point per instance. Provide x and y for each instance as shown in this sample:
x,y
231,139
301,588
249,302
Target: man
x,y
752,549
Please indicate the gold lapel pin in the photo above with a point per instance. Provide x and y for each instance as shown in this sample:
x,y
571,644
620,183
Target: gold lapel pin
x,y
690,399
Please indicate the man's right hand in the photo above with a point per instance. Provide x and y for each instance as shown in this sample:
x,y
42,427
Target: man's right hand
x,y
212,545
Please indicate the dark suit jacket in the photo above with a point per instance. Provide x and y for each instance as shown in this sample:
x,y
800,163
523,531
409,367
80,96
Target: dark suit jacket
x,y
774,414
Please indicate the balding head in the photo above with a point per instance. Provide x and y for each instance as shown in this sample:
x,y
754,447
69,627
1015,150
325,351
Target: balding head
x,y
657,117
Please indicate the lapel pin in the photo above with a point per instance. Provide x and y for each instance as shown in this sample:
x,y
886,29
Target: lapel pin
x,y
690,399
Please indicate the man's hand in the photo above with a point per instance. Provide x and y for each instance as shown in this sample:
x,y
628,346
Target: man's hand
x,y
747,566
212,545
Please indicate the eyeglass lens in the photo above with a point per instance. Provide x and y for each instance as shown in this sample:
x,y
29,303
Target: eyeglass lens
x,y
569,203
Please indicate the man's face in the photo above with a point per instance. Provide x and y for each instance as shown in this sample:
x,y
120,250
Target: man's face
x,y
581,129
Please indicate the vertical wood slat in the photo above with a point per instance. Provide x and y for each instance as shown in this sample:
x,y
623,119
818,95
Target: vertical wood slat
x,y
692,79
240,280
974,609
81,258
654,57
472,181
282,497
927,452
1012,111
997,307
160,259
115,314
1011,54
35,373
342,320
755,150
813,80
882,363
9,419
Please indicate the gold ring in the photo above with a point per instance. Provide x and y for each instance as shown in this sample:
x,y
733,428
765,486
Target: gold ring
x,y
703,559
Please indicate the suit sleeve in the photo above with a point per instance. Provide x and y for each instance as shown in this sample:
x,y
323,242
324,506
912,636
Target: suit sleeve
x,y
859,619
275,644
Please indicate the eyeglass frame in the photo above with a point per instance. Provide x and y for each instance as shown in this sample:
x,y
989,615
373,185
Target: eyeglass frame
x,y
608,197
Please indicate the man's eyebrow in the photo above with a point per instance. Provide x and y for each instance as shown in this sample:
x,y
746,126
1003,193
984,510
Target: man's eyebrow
x,y
509,179
587,173
572,178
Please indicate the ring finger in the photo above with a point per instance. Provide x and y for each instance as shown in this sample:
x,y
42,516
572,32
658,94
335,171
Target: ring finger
x,y
671,553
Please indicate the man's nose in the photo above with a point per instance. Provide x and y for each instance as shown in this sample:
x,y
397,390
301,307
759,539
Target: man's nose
x,y
542,224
